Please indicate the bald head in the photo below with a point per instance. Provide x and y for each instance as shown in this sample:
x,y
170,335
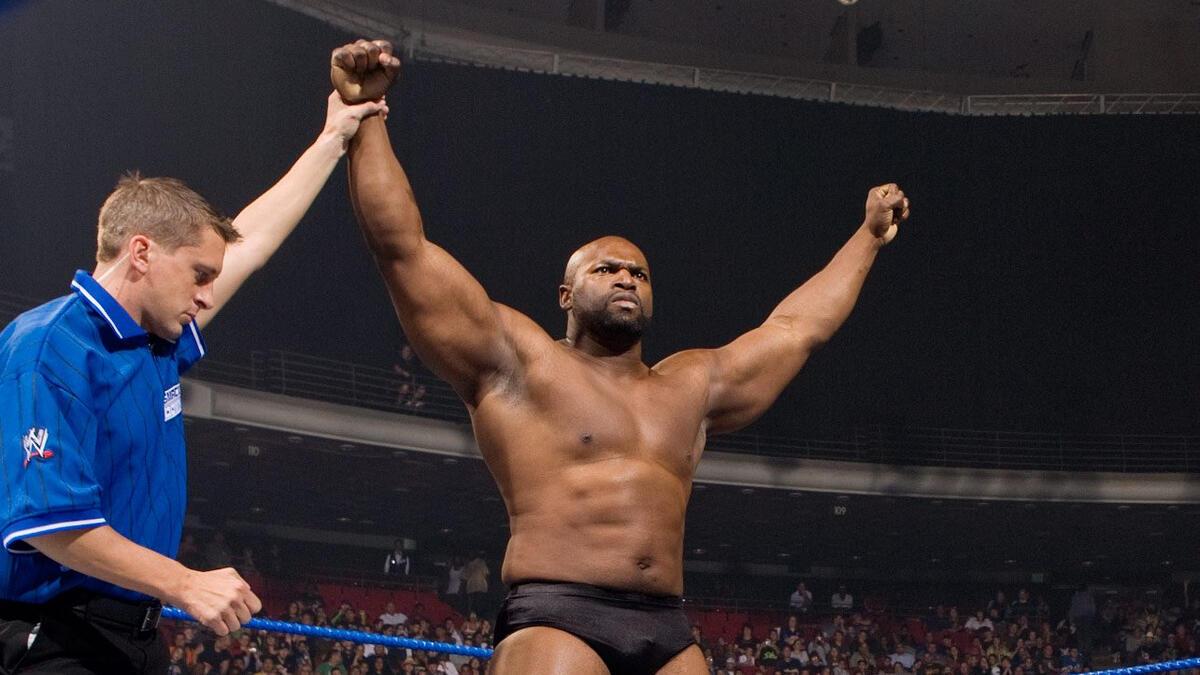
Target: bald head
x,y
610,247
606,294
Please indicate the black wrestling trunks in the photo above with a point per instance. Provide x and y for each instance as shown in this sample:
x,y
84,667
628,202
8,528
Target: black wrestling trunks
x,y
633,633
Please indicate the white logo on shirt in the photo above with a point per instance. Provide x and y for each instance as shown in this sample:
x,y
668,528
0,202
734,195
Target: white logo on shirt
x,y
172,403
34,444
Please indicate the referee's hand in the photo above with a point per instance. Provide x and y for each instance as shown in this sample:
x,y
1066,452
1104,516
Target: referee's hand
x,y
220,599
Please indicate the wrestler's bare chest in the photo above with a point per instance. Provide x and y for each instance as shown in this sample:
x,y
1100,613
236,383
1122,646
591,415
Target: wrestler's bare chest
x,y
595,468
568,410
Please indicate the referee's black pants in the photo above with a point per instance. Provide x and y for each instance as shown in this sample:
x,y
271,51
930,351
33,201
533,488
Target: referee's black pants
x,y
81,633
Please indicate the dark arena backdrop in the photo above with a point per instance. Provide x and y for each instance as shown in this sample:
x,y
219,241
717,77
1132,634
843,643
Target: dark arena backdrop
x,y
1047,287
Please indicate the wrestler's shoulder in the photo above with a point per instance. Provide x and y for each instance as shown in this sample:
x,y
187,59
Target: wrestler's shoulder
x,y
521,330
686,362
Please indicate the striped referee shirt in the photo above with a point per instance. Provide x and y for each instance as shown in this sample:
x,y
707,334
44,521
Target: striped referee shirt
x,y
91,433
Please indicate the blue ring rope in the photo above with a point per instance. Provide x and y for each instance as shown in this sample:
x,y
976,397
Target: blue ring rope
x,y
485,653
351,635
1183,664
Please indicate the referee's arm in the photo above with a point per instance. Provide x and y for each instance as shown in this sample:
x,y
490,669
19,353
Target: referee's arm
x,y
267,221
219,599
53,506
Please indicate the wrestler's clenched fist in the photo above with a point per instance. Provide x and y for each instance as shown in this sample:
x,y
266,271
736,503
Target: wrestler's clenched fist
x,y
364,70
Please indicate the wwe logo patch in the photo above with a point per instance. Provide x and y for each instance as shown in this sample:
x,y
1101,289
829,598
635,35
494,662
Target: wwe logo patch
x,y
34,442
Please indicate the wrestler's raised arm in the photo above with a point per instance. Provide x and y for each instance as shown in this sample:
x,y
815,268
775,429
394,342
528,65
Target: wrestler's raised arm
x,y
446,315
748,374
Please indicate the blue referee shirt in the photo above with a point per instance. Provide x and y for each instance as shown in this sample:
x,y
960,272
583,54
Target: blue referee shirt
x,y
91,433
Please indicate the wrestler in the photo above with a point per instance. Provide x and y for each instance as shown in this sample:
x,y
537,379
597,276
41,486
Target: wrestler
x,y
593,450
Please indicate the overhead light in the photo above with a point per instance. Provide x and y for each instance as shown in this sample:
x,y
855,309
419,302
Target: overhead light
x,y
1123,507
446,530
347,446
1010,561
843,498
698,551
343,519
449,460
795,494
295,439
256,509
1087,563
785,555
747,491
699,486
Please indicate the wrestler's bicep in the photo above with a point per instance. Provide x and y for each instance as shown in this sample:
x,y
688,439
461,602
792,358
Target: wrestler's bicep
x,y
748,374
448,318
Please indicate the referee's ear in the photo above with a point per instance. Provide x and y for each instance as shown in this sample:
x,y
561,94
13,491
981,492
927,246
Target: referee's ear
x,y
139,251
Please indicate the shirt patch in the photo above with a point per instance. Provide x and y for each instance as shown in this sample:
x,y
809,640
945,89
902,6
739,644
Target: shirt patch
x,y
34,443
172,403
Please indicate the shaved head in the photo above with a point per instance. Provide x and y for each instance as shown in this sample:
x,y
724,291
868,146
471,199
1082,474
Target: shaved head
x,y
606,292
610,245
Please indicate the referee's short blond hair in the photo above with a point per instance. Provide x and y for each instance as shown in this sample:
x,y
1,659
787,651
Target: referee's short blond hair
x,y
164,209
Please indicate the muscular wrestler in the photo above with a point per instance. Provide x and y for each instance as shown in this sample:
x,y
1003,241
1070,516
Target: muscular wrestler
x,y
592,449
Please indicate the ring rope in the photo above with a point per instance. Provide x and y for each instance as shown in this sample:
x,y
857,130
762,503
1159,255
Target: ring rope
x,y
350,635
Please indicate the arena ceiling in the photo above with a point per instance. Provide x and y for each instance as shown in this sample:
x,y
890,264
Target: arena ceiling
x,y
1114,45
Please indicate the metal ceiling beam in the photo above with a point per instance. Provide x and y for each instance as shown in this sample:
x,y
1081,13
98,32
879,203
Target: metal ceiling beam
x,y
420,42
205,400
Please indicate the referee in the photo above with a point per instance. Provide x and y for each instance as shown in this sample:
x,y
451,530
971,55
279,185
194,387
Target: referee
x,y
91,429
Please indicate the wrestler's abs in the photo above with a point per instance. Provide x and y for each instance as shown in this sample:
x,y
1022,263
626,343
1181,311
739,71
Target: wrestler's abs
x,y
595,470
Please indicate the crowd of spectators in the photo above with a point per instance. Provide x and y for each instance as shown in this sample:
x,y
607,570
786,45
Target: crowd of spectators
x,y
196,651
837,633
1017,636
